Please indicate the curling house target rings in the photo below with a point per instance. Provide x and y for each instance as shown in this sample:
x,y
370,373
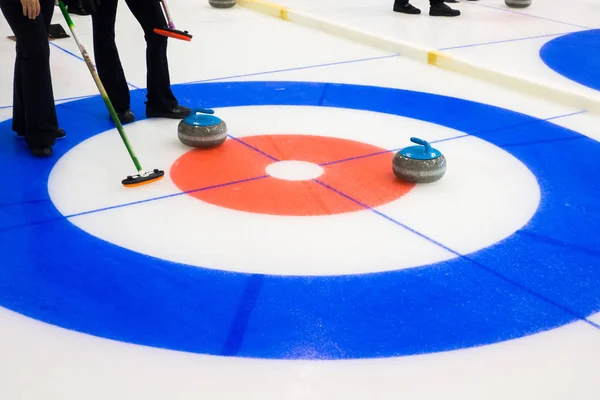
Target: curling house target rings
x,y
541,278
253,194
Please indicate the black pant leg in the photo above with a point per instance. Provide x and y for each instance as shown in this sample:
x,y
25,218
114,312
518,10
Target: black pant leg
x,y
106,55
18,122
34,108
47,12
150,15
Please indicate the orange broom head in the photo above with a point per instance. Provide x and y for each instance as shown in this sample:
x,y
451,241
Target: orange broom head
x,y
143,178
174,33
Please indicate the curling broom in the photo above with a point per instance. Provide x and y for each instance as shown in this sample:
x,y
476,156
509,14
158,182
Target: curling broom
x,y
142,177
171,31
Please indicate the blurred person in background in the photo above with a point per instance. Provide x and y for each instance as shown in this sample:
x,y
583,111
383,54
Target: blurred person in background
x,y
437,8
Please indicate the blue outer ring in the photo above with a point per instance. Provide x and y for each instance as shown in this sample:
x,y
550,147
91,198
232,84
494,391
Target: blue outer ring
x,y
544,276
575,56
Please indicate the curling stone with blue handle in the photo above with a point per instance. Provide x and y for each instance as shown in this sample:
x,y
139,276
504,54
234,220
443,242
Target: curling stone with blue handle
x,y
202,130
420,164
518,3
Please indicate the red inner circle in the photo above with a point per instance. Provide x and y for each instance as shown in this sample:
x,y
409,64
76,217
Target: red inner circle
x,y
233,175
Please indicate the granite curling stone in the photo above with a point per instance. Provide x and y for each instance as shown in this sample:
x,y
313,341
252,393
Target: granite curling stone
x,y
202,130
419,164
518,3
222,3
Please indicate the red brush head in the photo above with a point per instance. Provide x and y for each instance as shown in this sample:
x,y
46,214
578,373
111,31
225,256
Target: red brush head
x,y
173,33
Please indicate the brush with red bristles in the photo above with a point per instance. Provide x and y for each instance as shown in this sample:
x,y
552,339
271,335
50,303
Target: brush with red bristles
x,y
171,31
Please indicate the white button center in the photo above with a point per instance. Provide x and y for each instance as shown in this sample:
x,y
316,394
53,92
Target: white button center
x,y
294,170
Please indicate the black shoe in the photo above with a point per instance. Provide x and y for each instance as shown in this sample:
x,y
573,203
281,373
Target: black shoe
x,y
179,112
42,151
125,117
443,10
60,134
406,9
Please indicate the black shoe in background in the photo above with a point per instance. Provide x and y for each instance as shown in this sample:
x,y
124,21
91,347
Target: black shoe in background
x,y
406,8
443,10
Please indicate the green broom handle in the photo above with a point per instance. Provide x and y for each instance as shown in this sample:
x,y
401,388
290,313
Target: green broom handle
x,y
103,93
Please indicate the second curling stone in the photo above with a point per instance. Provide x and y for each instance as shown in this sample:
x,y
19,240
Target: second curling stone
x,y
222,3
419,164
202,130
518,3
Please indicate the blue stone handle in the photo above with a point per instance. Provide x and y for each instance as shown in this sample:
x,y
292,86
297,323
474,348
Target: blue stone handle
x,y
204,111
422,143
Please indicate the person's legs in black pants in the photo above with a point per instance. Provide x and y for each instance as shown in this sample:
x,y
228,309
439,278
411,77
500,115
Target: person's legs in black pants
x,y
18,122
34,112
161,99
107,58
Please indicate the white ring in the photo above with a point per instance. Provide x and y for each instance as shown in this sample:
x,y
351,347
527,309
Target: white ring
x,y
485,196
